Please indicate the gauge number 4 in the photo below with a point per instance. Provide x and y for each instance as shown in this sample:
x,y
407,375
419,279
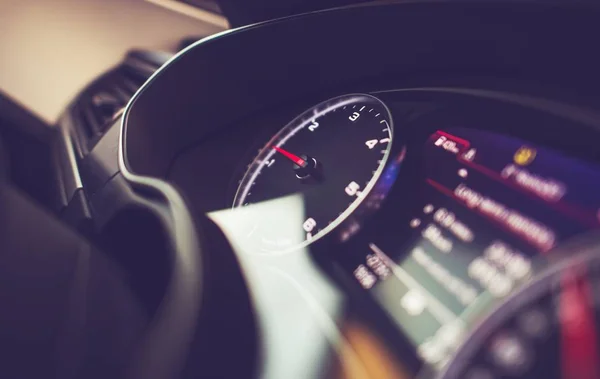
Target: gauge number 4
x,y
373,142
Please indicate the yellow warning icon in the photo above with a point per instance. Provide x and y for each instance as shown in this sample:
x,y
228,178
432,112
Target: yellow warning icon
x,y
525,155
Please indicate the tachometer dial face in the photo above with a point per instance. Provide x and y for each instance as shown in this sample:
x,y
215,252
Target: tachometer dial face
x,y
325,161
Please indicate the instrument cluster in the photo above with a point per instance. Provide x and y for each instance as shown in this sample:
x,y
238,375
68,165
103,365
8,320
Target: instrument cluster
x,y
441,216
426,187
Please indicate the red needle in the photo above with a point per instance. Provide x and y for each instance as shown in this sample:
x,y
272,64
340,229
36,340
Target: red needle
x,y
294,158
578,331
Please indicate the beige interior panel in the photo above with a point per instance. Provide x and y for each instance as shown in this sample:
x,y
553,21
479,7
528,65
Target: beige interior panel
x,y
50,49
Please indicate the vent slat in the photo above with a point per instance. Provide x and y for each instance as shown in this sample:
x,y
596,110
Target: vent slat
x,y
97,106
90,122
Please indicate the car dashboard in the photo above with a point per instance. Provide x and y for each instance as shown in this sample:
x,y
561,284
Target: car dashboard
x,y
407,190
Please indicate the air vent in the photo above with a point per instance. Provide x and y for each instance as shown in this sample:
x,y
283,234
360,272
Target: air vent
x,y
95,109
103,100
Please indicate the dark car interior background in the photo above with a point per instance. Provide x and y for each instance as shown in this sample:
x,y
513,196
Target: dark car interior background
x,y
325,189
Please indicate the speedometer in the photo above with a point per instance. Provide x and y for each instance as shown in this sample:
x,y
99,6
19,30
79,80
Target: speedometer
x,y
331,155
547,330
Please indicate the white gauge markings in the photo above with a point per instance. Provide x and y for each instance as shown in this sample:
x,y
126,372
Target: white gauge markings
x,y
265,174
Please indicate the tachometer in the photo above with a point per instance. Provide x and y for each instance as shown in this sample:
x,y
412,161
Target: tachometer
x,y
331,156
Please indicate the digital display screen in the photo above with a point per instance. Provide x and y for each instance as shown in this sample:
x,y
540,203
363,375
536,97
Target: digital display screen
x,y
491,210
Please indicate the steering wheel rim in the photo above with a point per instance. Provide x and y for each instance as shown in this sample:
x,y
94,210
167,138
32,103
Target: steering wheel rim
x,y
163,349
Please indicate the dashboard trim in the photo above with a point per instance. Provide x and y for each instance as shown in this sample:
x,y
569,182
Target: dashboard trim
x,y
581,115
